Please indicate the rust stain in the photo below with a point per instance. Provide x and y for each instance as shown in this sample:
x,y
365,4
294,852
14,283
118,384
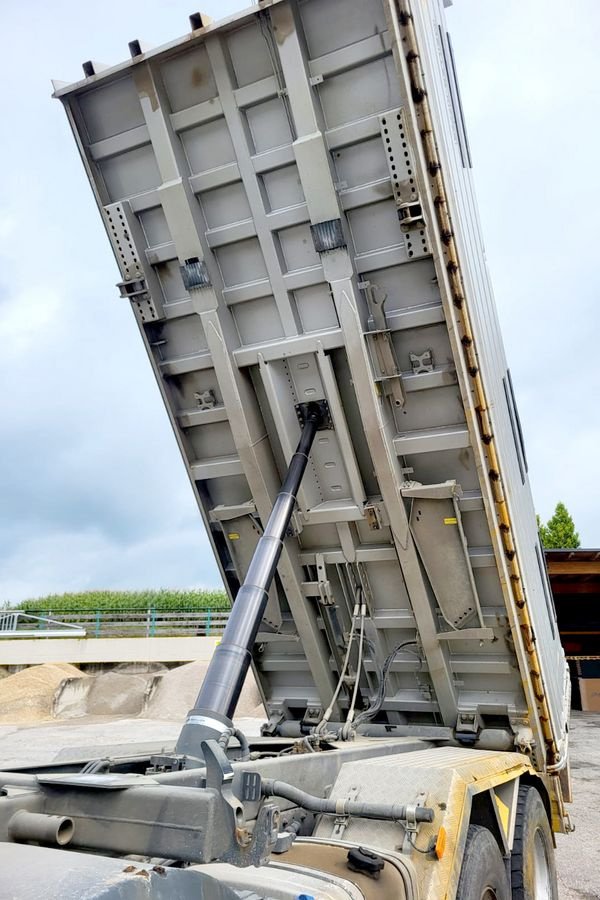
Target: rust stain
x,y
283,24
197,76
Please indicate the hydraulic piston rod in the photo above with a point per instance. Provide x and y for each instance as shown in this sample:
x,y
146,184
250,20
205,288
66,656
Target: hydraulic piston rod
x,y
223,682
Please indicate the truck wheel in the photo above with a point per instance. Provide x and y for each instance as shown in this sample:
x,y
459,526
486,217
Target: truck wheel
x,y
483,873
533,867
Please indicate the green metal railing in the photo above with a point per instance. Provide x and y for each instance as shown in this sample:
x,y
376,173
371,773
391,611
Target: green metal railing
x,y
151,622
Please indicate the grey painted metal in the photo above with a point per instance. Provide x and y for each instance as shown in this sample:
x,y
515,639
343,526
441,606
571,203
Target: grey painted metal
x,y
28,826
99,878
227,151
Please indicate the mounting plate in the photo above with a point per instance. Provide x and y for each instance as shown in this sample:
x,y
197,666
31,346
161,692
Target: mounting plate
x,y
326,421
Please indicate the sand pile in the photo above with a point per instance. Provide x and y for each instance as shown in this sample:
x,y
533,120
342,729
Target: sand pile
x,y
27,696
62,691
176,691
117,694
106,694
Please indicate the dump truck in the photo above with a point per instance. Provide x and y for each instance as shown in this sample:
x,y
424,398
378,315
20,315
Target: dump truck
x,y
289,199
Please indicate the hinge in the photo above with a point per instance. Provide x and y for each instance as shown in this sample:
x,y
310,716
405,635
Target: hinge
x,y
324,585
376,515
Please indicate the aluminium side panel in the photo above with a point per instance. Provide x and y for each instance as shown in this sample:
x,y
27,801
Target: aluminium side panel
x,y
440,73
265,190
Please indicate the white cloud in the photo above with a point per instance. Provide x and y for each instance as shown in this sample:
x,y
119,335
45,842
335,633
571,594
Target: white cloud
x,y
7,224
29,319
75,561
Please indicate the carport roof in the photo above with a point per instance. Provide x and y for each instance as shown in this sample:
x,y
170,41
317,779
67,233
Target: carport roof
x,y
574,571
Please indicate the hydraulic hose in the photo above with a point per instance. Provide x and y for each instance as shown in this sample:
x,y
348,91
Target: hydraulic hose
x,y
394,812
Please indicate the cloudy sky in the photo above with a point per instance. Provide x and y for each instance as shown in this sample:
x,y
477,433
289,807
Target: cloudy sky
x,y
93,493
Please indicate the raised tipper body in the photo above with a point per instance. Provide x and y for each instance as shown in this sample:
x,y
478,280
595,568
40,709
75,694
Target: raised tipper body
x,y
288,195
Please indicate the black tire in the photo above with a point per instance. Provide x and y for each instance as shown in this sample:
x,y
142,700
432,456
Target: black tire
x,y
483,873
532,862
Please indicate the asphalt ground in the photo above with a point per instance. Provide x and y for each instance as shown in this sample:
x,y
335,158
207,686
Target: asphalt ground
x,y
578,854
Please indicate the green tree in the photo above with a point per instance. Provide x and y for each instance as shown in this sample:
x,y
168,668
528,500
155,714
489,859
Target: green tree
x,y
559,531
543,532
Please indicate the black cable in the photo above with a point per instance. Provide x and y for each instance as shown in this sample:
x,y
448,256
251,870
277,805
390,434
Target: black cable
x,y
380,697
414,846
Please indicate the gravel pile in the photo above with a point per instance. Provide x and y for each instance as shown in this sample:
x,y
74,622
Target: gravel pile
x,y
62,691
176,691
118,694
27,696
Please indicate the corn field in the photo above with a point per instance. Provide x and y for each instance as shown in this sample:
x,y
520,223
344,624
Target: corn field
x,y
163,599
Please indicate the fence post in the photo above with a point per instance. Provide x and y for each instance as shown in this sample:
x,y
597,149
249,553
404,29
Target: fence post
x,y
153,621
98,623
208,618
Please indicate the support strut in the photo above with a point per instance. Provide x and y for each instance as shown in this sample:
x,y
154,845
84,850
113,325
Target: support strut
x,y
223,682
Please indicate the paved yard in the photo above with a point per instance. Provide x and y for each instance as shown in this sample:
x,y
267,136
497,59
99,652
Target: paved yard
x,y
578,853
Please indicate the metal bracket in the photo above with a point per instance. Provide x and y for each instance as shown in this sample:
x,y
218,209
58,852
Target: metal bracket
x,y
232,839
411,216
276,717
375,298
141,301
165,762
388,375
381,347
326,420
312,716
340,823
284,841
376,515
324,585
205,399
436,526
421,362
123,231
398,155
468,724
117,220
400,159
411,826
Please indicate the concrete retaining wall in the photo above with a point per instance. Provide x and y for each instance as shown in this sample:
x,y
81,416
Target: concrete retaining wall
x,y
31,652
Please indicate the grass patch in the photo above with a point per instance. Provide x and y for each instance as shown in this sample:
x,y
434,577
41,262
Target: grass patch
x,y
117,600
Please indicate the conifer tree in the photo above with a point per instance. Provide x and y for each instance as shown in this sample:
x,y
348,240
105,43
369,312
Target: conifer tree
x,y
543,532
559,531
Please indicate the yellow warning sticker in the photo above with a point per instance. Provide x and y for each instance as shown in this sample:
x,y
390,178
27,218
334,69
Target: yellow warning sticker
x,y
233,536
450,521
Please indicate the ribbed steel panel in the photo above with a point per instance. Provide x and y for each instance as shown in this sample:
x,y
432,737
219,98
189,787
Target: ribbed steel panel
x,y
273,201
